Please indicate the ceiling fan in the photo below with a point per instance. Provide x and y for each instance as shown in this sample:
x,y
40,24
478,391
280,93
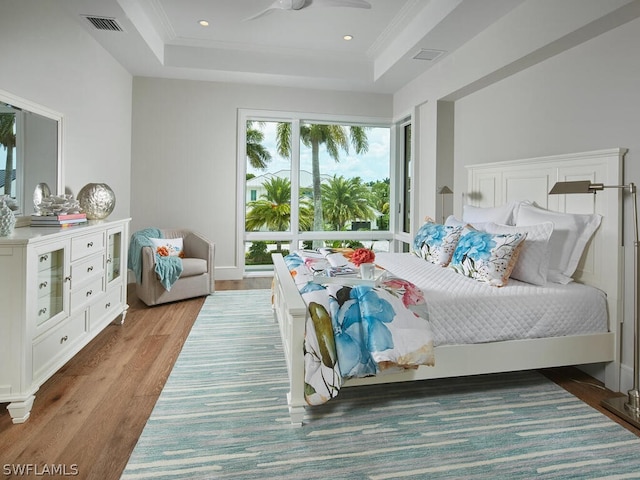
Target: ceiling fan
x,y
300,4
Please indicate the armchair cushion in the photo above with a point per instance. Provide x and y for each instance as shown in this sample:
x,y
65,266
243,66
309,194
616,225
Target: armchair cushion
x,y
193,266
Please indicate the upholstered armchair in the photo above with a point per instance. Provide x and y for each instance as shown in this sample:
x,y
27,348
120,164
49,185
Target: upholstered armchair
x,y
196,279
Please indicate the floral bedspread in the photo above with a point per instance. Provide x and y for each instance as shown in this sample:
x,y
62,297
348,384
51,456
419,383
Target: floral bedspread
x,y
359,330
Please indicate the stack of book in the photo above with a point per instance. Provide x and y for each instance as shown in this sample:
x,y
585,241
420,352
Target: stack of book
x,y
61,220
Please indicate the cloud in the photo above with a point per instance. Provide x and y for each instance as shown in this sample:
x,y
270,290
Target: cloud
x,y
370,166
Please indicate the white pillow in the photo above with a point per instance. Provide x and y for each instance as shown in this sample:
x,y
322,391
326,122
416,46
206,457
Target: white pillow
x,y
501,215
571,233
168,247
452,221
533,262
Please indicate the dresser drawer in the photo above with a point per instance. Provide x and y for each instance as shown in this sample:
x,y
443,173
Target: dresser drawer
x,y
84,269
49,281
111,302
85,294
86,245
50,350
49,260
48,306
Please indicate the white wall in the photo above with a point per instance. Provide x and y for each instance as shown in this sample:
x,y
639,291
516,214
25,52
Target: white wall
x,y
185,155
49,59
552,89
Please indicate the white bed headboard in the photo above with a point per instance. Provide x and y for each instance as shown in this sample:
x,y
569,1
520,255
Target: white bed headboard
x,y
494,184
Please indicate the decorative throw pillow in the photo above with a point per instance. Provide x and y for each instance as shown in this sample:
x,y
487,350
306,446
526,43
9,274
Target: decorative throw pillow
x,y
168,247
435,243
571,234
533,262
486,257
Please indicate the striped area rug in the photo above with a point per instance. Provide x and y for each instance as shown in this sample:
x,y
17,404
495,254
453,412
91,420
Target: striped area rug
x,y
223,415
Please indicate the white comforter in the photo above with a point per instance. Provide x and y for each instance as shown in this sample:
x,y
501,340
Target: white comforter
x,y
463,310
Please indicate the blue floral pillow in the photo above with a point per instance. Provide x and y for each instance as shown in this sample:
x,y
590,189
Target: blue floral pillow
x,y
486,257
436,243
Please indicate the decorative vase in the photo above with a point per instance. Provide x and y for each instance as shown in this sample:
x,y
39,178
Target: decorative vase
x,y
41,192
97,200
367,271
7,219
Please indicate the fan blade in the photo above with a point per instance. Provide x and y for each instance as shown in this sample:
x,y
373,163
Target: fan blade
x,y
264,12
280,5
342,3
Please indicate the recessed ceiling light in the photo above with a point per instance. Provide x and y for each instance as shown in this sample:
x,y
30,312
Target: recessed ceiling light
x,y
203,23
348,37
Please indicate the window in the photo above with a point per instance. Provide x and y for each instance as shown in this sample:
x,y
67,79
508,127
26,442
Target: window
x,y
313,182
404,185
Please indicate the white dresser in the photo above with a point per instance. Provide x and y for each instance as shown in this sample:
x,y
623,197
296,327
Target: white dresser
x,y
59,287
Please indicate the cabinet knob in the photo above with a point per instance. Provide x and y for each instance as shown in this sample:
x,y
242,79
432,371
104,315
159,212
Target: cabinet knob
x,y
90,269
43,285
89,293
67,279
44,258
42,311
107,305
64,339
109,260
90,244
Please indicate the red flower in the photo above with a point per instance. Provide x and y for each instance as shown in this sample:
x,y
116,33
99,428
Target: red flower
x,y
362,255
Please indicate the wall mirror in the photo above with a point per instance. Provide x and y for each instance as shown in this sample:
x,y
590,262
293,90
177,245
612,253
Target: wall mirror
x,y
30,150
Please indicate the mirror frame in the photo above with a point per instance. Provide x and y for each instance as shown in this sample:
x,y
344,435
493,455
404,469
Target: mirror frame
x,y
30,106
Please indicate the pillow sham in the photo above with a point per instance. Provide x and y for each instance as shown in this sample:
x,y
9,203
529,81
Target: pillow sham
x,y
456,222
570,236
533,261
502,214
486,257
435,243
168,247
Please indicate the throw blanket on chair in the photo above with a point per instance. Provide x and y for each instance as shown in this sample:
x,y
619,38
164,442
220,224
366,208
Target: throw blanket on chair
x,y
168,269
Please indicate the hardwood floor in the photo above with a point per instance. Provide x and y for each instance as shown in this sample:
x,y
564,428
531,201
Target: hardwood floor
x,y
89,415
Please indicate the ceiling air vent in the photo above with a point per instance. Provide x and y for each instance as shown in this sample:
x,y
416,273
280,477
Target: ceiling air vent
x,y
427,54
104,23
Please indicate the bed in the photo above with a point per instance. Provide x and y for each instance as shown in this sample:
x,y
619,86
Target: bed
x,y
491,185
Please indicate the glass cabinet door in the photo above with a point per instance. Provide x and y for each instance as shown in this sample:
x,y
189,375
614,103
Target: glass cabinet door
x,y
50,285
114,255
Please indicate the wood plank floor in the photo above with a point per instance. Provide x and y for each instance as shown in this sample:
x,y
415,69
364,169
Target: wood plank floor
x,y
89,415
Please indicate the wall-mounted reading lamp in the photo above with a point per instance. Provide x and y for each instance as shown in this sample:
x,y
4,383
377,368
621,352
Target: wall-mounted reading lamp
x,y
627,408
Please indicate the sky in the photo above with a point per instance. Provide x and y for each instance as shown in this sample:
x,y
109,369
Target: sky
x,y
371,166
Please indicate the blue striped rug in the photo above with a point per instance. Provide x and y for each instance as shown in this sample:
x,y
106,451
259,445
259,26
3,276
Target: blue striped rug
x,y
223,415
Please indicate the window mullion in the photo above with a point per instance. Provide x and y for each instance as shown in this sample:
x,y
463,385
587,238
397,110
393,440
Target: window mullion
x,y
295,181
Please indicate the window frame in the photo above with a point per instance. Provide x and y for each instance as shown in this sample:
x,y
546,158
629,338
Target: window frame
x,y
403,239
293,238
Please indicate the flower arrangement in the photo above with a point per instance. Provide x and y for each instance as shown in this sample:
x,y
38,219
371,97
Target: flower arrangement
x,y
362,255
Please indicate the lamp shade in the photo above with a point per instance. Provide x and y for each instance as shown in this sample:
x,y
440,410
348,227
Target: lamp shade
x,y
579,186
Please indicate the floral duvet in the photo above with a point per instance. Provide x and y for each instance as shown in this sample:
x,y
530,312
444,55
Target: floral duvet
x,y
359,330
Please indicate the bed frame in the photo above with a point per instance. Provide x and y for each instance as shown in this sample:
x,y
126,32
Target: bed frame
x,y
489,185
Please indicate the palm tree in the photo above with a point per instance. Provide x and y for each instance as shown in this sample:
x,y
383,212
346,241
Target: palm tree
x,y
273,209
380,200
8,140
257,154
334,138
345,199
